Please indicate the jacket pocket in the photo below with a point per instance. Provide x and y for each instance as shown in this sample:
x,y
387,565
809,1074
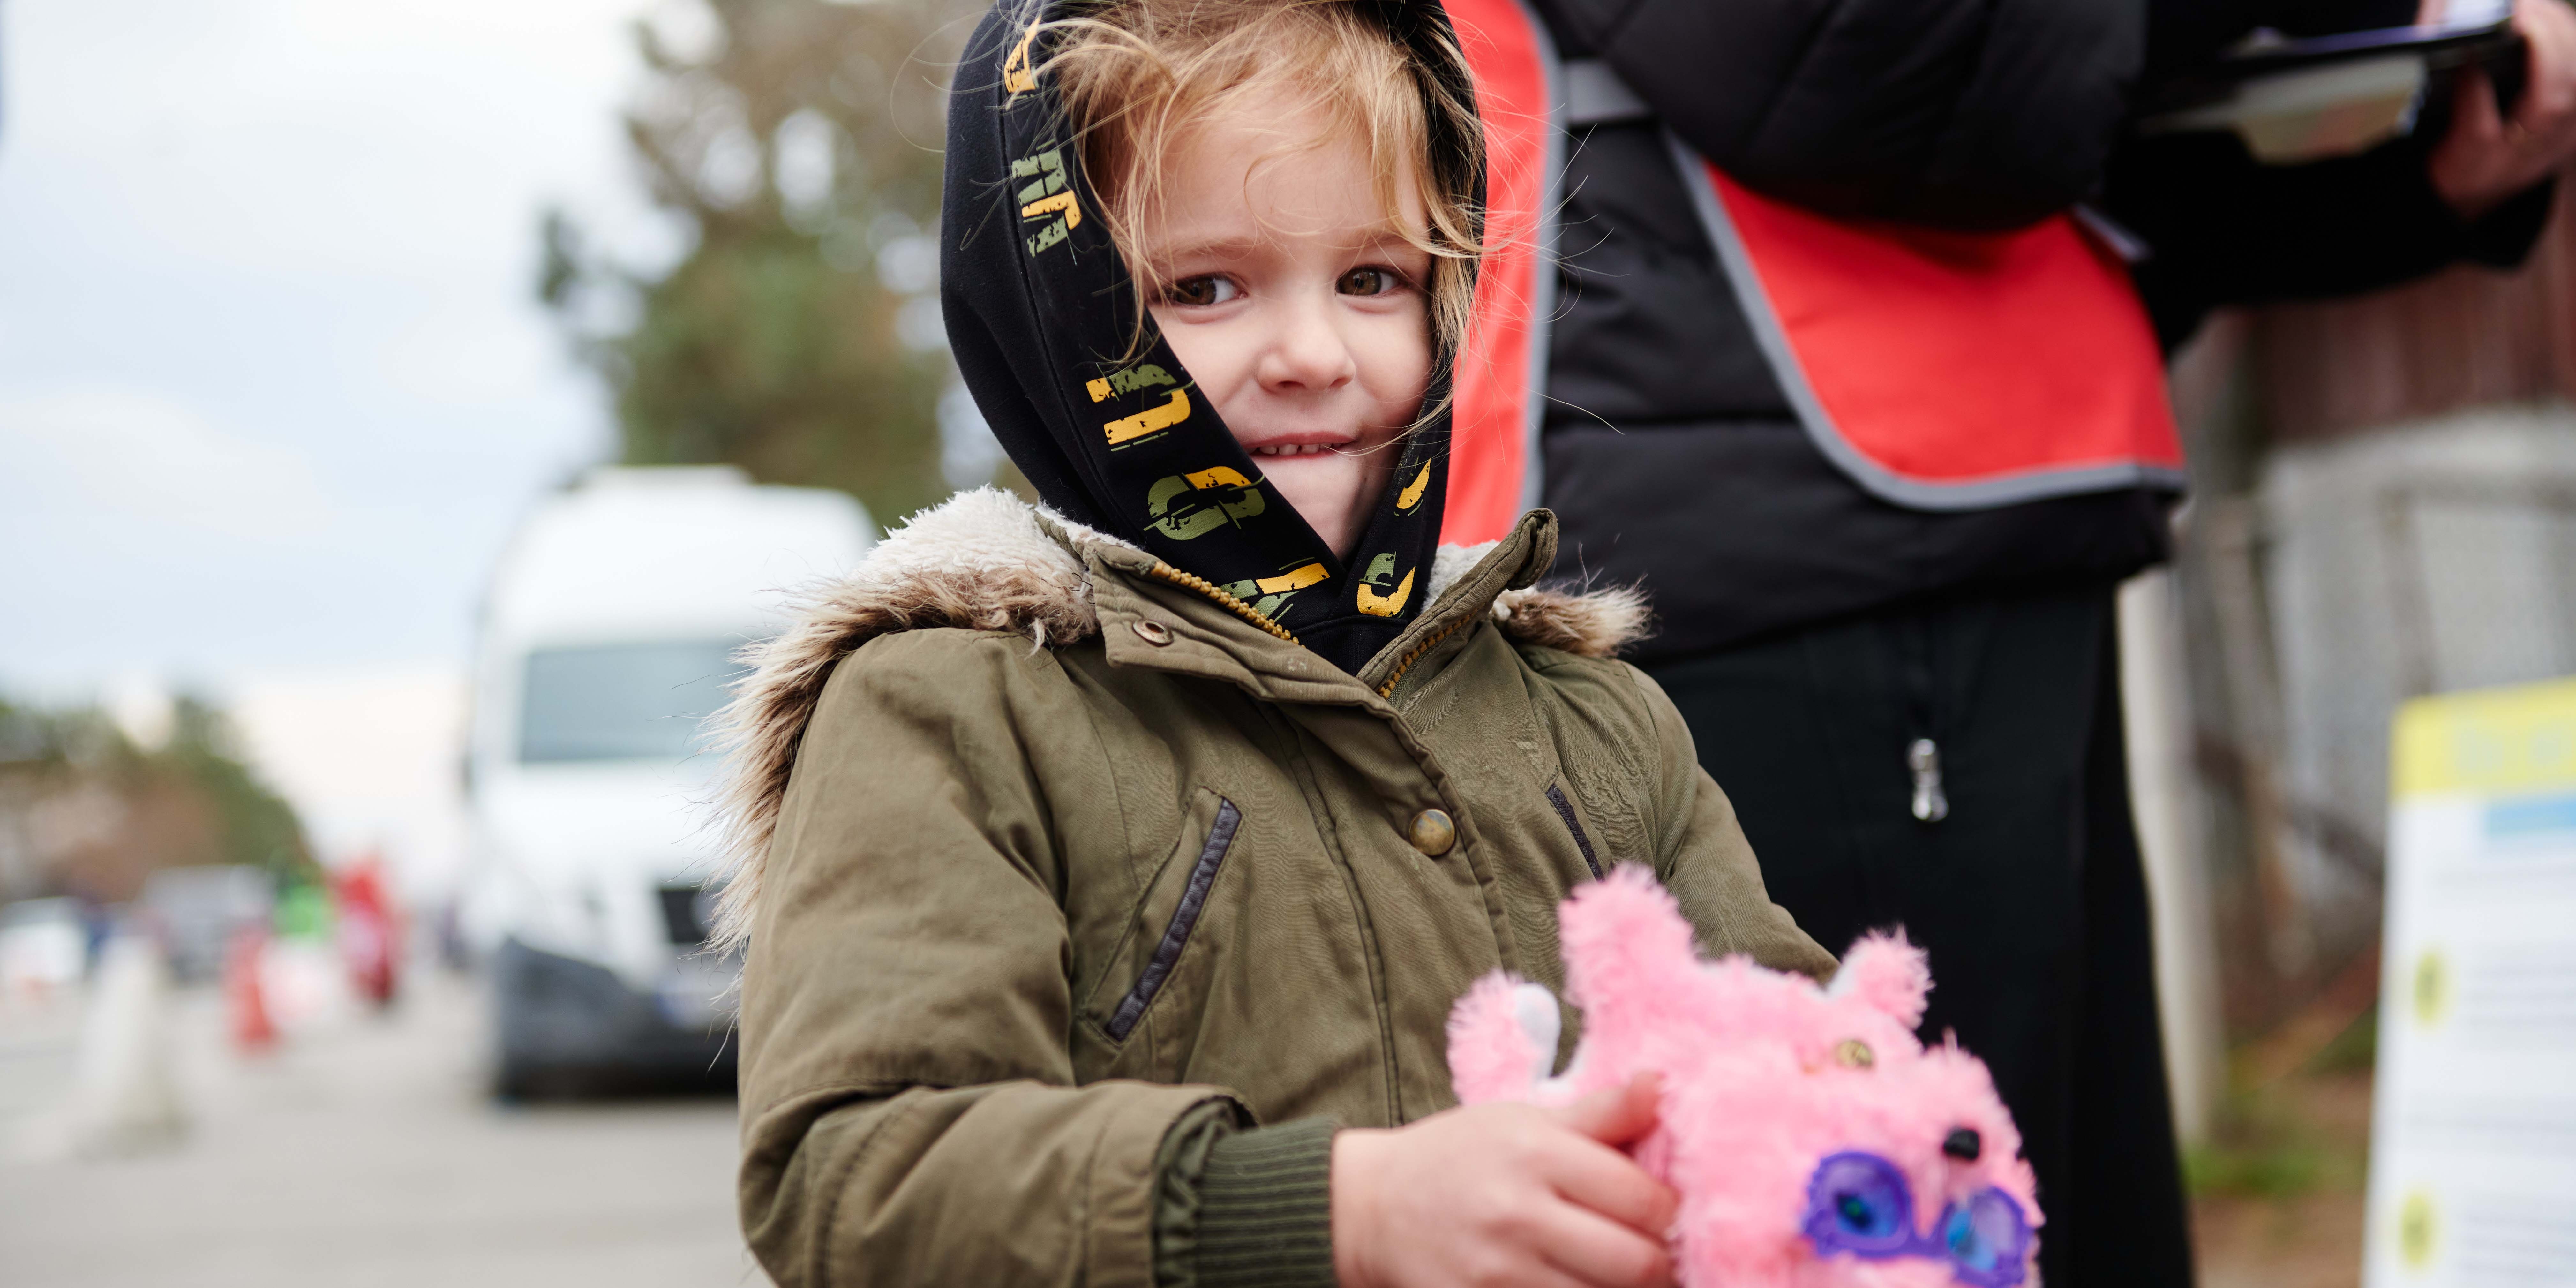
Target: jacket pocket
x,y
1564,807
1176,935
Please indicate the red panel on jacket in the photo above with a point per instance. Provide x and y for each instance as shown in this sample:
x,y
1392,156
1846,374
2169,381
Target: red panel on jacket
x,y
1963,357
1491,425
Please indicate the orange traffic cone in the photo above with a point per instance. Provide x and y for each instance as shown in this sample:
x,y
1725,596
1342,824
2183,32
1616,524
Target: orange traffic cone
x,y
243,997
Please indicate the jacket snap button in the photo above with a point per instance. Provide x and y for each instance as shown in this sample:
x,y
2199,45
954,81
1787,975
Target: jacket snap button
x,y
1154,633
1432,832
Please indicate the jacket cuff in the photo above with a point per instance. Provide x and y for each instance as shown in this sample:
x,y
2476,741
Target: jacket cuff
x,y
1266,1208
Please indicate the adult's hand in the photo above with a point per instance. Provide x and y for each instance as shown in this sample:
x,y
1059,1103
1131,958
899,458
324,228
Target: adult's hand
x,y
2486,157
1504,1196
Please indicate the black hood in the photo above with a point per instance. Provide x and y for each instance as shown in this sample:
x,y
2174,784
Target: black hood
x,y
1042,317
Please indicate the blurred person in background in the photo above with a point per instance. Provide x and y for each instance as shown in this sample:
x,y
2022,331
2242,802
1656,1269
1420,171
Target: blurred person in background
x,y
369,934
1840,372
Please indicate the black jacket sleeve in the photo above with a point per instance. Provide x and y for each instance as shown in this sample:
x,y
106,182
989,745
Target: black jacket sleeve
x,y
2222,229
1953,113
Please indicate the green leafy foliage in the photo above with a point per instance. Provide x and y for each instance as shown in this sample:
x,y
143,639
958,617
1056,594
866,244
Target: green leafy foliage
x,y
798,337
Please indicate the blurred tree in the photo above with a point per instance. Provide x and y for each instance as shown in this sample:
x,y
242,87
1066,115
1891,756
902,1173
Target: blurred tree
x,y
799,336
84,809
252,824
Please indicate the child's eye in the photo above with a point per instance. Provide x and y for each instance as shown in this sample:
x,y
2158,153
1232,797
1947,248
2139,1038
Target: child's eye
x,y
1202,291
1370,281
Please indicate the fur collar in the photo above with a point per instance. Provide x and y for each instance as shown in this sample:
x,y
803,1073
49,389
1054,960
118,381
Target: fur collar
x,y
987,560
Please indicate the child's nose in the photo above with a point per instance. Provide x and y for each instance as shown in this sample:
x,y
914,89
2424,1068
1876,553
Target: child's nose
x,y
1307,351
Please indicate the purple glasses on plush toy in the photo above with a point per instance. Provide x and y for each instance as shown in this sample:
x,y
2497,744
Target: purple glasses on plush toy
x,y
1859,1203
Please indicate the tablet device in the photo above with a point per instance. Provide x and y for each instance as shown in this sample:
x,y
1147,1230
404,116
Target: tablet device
x,y
2308,98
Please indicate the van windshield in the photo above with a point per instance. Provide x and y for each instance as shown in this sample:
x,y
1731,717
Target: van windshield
x,y
622,701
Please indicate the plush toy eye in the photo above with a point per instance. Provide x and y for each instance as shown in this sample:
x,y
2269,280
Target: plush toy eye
x,y
1852,1053
1966,1245
1868,1198
1987,1233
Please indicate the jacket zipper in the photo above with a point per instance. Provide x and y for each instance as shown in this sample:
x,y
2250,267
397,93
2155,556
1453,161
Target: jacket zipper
x,y
1565,810
1193,581
1185,919
1387,690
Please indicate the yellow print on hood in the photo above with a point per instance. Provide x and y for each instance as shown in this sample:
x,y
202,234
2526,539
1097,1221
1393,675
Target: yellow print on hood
x,y
1016,76
1268,595
1152,420
1411,496
1293,579
1375,604
1045,194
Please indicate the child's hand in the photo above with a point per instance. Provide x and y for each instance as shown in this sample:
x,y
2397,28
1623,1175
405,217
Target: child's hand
x,y
1498,1195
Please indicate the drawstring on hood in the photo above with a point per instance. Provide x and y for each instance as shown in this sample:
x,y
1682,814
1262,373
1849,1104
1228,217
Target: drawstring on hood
x,y
1090,401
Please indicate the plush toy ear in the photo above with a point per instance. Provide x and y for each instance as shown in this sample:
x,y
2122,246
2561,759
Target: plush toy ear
x,y
1888,975
1502,1040
1626,945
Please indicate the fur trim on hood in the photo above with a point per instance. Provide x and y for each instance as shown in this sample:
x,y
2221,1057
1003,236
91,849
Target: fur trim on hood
x,y
984,560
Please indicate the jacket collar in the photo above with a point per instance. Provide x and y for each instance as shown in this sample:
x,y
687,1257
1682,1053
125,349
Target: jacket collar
x,y
1138,600
987,560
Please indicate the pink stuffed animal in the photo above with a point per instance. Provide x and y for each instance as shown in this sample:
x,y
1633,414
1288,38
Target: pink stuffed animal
x,y
1814,1142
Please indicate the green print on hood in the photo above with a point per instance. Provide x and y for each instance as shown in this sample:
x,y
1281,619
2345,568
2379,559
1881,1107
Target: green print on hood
x,y
1269,596
1046,196
1210,499
1142,375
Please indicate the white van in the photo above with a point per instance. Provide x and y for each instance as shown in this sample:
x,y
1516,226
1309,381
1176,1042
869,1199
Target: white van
x,y
608,635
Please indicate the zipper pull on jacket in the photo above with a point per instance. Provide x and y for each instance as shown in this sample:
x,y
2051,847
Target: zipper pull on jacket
x,y
1924,758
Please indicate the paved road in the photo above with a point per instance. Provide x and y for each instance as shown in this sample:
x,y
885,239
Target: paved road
x,y
359,1156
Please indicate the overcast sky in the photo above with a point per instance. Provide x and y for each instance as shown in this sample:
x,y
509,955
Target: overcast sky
x,y
273,383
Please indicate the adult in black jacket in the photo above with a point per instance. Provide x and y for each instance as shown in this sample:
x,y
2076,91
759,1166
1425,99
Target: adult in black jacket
x,y
1936,689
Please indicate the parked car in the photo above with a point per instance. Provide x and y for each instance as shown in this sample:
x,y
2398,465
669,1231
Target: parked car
x,y
609,634
196,911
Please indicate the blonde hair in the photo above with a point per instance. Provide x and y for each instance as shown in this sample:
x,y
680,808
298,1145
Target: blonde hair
x,y
1136,76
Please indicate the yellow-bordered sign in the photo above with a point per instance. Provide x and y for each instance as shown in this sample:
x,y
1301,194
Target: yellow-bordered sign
x,y
2492,742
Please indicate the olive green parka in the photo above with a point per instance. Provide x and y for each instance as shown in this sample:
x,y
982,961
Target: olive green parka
x,y
1044,846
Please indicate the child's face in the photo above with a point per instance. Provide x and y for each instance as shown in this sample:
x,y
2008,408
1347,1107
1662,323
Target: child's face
x,y
1296,304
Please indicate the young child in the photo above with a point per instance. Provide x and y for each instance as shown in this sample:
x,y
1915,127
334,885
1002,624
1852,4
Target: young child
x,y
1109,868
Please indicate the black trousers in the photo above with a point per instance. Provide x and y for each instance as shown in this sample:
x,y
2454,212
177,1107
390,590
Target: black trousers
x,y
2028,896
